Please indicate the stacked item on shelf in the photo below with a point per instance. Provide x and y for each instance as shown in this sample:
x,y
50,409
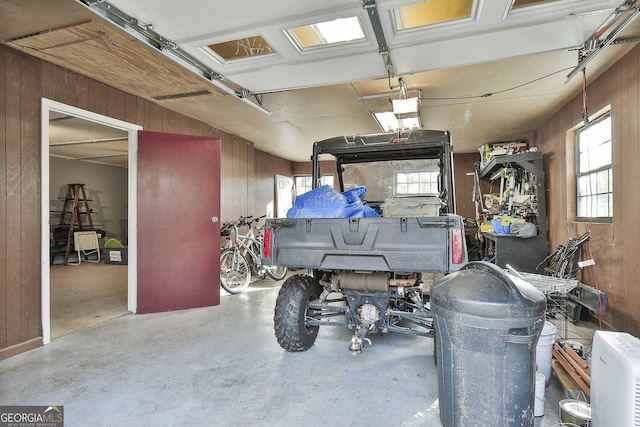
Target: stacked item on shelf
x,y
487,151
516,174
515,196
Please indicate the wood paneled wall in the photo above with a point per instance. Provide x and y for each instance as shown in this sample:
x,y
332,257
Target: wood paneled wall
x,y
464,164
263,186
20,316
24,80
614,246
234,191
248,179
306,168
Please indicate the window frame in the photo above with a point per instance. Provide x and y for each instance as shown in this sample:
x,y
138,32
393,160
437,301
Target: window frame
x,y
578,174
310,176
418,194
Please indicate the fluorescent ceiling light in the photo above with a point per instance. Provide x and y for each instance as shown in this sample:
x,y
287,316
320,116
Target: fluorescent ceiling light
x,y
403,106
405,115
409,123
329,32
388,122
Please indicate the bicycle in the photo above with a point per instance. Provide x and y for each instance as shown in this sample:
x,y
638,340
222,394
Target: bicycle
x,y
241,256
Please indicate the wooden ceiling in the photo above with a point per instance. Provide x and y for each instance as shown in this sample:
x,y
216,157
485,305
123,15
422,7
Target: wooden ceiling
x,y
493,77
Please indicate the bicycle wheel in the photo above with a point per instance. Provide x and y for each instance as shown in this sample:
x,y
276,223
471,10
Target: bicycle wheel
x,y
276,273
234,271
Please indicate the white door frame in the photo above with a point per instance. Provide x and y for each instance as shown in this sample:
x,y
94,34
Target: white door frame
x,y
132,130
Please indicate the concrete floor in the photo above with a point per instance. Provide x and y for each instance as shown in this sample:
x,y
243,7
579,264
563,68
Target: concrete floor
x,y
221,366
86,295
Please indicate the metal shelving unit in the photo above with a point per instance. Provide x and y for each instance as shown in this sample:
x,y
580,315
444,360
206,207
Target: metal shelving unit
x,y
523,253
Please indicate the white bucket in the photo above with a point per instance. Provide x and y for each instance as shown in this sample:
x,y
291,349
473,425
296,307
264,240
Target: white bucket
x,y
575,412
538,407
543,351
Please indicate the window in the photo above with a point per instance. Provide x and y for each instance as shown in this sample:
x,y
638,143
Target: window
x,y
304,183
523,3
594,173
242,48
416,183
338,31
431,12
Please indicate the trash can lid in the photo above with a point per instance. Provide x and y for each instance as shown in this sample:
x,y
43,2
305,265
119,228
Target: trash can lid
x,y
483,289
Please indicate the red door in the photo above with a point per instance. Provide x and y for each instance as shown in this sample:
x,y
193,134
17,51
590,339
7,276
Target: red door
x,y
178,244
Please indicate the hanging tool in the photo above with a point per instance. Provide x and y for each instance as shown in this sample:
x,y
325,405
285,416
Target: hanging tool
x,y
512,185
477,193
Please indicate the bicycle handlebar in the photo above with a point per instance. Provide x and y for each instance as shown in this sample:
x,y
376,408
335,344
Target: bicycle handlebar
x,y
256,219
241,221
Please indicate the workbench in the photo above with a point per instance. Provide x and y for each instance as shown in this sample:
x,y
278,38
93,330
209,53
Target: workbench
x,y
523,254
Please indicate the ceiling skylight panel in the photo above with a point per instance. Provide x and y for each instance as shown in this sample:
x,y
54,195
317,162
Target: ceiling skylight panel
x,y
242,48
524,3
326,33
431,12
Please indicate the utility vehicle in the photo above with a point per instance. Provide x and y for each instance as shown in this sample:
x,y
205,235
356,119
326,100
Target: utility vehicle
x,y
370,273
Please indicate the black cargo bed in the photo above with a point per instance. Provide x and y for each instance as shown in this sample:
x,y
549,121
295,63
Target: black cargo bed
x,y
371,244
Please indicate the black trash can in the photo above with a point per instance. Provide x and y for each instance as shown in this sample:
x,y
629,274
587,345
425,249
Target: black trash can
x,y
487,326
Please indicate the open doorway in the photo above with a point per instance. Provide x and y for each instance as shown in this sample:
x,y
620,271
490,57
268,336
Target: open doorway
x,y
96,154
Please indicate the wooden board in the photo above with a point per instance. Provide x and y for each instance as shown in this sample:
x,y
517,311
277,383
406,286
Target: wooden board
x,y
576,372
563,376
118,59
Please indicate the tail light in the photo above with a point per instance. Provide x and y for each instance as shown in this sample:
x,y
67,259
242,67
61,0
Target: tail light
x,y
457,246
267,250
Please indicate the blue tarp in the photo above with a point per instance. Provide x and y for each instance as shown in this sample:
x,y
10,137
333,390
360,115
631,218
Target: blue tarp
x,y
325,202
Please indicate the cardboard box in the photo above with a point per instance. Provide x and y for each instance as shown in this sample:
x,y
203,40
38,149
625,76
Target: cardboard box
x,y
117,256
